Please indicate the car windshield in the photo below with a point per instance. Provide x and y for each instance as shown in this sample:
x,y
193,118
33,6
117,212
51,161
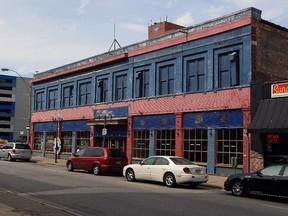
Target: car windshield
x,y
181,161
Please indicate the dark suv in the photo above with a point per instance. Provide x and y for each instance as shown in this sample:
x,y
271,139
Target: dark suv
x,y
98,159
16,151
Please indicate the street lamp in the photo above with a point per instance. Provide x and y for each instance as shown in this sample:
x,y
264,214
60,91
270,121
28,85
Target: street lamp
x,y
104,114
28,87
57,142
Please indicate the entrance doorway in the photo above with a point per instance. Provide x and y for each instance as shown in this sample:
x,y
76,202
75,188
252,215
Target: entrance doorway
x,y
119,143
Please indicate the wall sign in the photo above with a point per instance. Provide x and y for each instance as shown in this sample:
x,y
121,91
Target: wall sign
x,y
273,138
279,90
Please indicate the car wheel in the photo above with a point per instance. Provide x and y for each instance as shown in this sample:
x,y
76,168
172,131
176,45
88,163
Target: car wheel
x,y
169,180
70,167
96,169
237,188
10,158
130,175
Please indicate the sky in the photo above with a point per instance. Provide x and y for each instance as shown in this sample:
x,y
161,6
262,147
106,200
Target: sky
x,y
39,35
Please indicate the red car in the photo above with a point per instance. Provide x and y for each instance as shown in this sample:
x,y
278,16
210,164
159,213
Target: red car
x,y
97,160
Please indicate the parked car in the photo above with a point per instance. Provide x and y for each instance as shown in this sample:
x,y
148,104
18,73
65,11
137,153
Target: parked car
x,y
170,170
97,160
270,180
16,151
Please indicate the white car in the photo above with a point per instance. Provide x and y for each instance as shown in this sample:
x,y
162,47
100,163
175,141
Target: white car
x,y
170,170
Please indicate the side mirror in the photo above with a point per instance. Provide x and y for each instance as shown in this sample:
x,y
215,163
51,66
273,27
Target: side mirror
x,y
141,163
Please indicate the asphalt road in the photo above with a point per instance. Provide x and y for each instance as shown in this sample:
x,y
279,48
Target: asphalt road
x,y
53,189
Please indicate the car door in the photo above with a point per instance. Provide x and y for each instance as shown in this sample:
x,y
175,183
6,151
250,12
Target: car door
x,y
158,169
265,180
78,159
5,150
282,182
143,170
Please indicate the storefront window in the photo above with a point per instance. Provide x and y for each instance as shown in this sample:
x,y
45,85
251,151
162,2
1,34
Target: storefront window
x,y
230,146
195,145
38,141
50,136
140,144
165,142
82,139
66,138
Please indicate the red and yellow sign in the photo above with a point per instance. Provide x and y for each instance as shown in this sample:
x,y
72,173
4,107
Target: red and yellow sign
x,y
273,138
279,90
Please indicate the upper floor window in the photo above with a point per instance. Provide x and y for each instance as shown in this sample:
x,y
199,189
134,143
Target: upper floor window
x,y
68,96
39,101
102,90
166,80
84,93
195,75
142,83
52,98
228,69
121,87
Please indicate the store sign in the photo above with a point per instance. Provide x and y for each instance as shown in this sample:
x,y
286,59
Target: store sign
x,y
279,90
273,138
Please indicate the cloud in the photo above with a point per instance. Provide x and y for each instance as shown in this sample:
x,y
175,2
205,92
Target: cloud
x,y
185,20
82,7
134,27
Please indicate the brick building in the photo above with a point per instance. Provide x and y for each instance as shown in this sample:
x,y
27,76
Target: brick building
x,y
183,92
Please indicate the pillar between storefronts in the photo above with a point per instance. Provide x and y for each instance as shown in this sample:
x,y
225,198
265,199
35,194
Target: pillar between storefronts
x,y
43,145
179,135
151,142
211,151
73,147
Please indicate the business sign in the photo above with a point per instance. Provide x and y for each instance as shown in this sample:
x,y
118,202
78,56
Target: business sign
x,y
279,90
273,138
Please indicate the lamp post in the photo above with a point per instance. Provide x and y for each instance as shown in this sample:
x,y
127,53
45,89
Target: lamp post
x,y
57,142
104,114
28,87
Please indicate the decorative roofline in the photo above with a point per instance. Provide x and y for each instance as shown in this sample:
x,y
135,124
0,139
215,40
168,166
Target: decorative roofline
x,y
248,12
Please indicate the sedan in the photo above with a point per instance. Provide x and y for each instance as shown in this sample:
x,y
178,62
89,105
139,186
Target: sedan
x,y
171,170
270,180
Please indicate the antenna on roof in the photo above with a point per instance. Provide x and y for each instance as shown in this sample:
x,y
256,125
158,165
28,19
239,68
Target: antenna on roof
x,y
115,42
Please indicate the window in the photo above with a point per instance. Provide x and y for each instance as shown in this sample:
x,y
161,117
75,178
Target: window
x,y
228,69
39,101
52,98
230,145
68,96
195,145
121,87
38,140
50,136
142,83
272,171
102,90
165,142
66,138
195,75
140,144
166,80
85,93
82,139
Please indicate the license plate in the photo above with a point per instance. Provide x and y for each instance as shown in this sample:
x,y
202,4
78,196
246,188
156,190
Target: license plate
x,y
118,162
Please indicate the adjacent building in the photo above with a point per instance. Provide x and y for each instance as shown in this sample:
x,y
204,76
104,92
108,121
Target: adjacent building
x,y
14,108
184,91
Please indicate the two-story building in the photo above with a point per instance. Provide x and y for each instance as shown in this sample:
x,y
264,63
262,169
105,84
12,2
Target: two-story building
x,y
184,91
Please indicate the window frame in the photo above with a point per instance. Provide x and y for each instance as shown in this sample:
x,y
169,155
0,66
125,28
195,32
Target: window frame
x,y
87,94
237,64
120,87
102,93
52,98
70,97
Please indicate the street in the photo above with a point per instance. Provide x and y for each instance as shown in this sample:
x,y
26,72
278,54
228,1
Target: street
x,y
82,193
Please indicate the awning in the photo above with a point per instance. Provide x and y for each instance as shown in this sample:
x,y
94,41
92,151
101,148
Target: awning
x,y
271,117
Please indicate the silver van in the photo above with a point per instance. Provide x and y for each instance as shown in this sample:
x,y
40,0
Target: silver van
x,y
16,151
